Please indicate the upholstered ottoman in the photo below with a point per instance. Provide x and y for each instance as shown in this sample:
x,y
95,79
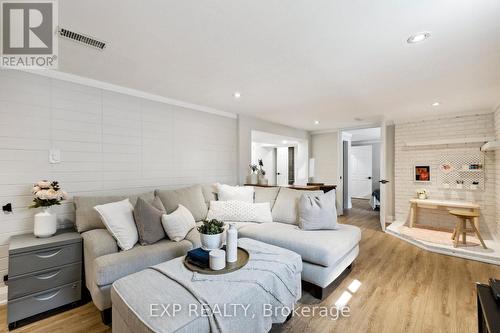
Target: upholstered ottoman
x,y
170,298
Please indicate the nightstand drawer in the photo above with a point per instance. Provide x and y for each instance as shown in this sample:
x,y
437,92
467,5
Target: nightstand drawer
x,y
43,259
33,304
44,280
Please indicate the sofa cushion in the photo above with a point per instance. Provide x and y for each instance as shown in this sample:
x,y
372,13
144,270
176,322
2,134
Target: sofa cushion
x,y
178,224
235,193
240,211
318,212
190,197
286,207
111,267
266,194
147,218
209,192
320,247
119,220
86,216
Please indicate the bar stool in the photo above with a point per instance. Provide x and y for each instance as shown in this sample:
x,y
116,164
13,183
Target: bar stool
x,y
461,226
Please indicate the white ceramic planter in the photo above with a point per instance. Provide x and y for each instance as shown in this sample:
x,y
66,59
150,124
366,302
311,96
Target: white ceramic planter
x,y
262,180
45,223
211,242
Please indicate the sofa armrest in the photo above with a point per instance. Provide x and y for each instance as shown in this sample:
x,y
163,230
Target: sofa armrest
x,y
96,243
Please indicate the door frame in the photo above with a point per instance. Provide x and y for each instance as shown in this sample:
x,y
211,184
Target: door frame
x,y
385,145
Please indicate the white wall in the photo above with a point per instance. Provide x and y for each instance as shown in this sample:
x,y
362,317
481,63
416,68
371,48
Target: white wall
x,y
110,143
248,124
325,153
406,157
497,171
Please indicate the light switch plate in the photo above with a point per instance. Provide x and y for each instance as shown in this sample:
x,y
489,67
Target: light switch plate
x,y
54,156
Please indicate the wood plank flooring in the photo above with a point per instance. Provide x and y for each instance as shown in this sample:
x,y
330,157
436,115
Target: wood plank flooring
x,y
403,289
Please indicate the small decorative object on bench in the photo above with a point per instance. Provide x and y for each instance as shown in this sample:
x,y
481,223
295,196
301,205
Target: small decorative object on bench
x,y
253,177
232,243
217,259
262,174
422,194
243,257
46,194
211,234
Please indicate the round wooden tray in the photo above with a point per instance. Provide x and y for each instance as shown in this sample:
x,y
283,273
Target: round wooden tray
x,y
243,257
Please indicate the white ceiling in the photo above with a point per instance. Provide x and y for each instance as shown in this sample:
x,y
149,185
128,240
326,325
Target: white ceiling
x,y
295,61
273,140
364,134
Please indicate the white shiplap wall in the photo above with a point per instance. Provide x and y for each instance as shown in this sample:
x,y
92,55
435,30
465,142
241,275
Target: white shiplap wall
x,y
481,125
110,143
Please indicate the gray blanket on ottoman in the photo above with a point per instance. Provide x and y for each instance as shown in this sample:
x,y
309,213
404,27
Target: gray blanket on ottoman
x,y
170,298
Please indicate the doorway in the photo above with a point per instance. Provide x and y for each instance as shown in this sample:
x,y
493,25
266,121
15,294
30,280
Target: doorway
x,y
367,160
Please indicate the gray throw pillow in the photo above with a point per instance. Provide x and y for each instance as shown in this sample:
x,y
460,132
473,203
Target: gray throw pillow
x,y
190,197
147,218
318,211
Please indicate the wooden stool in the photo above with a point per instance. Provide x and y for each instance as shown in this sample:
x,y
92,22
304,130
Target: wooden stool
x,y
461,226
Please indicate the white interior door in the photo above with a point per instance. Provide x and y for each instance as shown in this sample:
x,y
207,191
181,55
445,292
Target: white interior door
x,y
361,171
282,166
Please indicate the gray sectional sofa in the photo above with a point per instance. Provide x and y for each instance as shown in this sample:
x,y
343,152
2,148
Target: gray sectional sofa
x,y
325,253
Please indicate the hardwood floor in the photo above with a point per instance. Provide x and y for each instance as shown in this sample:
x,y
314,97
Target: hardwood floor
x,y
403,289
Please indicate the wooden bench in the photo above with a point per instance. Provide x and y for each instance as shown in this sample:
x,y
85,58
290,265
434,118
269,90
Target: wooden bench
x,y
435,204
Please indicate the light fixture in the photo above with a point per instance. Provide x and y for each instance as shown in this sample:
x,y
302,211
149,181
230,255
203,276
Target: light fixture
x,y
419,37
436,104
358,119
316,122
237,94
284,142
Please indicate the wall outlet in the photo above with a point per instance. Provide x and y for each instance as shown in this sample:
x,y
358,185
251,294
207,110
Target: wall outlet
x,y
54,156
7,209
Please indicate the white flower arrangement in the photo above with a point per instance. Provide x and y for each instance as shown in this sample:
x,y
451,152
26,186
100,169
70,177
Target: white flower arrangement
x,y
46,194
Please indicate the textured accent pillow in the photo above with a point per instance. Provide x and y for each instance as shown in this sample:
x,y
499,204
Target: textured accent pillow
x,y
178,224
87,217
286,207
190,197
119,220
235,193
318,212
148,220
240,211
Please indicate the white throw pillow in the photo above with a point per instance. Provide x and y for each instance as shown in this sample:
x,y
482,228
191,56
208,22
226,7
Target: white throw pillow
x,y
236,193
119,220
178,224
286,207
318,211
240,211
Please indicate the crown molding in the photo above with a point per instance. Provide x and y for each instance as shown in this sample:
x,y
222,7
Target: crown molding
x,y
127,91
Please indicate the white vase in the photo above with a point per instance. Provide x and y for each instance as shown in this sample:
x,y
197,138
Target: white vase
x,y
253,179
211,242
232,243
45,223
262,180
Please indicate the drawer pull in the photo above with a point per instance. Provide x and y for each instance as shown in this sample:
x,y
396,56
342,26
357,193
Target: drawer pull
x,y
49,296
45,255
47,276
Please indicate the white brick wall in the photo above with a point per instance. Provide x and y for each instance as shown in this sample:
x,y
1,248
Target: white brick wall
x,y
482,125
110,143
497,172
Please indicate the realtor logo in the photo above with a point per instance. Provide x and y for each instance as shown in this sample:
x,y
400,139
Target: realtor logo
x,y
28,34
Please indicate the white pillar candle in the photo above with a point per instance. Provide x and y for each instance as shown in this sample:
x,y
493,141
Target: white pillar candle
x,y
217,259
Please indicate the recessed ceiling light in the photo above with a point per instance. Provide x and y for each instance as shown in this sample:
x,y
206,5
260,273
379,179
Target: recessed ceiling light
x,y
316,122
237,94
358,119
284,142
417,38
436,104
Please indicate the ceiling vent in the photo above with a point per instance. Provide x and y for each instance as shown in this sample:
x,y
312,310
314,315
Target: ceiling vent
x,y
81,38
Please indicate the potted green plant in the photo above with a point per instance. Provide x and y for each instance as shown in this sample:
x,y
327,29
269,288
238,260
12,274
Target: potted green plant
x,y
211,234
